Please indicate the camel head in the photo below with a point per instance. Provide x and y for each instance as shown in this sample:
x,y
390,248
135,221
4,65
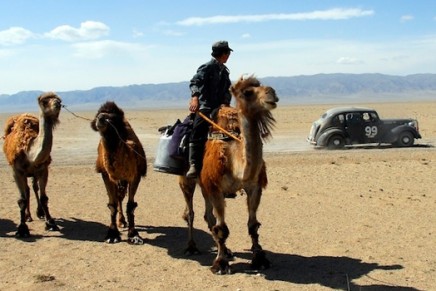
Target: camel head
x,y
109,119
255,103
252,98
50,105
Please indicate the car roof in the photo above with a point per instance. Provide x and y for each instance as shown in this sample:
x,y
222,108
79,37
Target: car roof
x,y
337,110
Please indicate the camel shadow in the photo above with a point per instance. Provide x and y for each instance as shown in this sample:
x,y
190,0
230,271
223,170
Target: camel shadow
x,y
8,229
82,230
7,226
328,271
174,240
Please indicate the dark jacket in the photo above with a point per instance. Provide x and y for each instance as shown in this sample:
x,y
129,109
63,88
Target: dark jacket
x,y
211,84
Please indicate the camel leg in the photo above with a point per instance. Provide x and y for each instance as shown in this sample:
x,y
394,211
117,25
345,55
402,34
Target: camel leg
x,y
23,188
132,234
27,213
42,178
122,190
220,233
259,259
208,214
113,235
211,221
188,188
39,211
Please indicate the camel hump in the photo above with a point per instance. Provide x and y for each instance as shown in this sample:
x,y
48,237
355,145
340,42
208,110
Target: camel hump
x,y
22,123
20,129
227,118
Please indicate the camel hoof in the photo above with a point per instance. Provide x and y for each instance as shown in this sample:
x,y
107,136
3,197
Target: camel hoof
x,y
113,236
136,240
23,231
192,250
259,261
29,218
51,226
221,267
40,213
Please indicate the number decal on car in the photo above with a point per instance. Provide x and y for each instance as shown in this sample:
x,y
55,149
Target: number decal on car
x,y
371,131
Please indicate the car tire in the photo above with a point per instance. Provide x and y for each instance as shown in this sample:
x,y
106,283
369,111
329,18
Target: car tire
x,y
405,139
336,142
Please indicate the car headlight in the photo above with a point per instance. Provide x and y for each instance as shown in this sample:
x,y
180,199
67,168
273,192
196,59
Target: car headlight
x,y
414,124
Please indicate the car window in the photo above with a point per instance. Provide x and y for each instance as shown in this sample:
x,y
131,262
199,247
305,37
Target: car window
x,y
338,120
366,117
353,117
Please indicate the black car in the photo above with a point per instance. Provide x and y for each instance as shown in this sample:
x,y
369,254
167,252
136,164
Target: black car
x,y
342,126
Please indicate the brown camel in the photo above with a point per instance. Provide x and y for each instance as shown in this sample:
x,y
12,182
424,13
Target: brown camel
x,y
232,165
27,146
121,161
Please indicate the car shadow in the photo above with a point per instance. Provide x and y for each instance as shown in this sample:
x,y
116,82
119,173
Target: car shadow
x,y
388,146
375,147
329,271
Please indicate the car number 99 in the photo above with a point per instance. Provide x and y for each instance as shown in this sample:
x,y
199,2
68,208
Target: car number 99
x,y
371,131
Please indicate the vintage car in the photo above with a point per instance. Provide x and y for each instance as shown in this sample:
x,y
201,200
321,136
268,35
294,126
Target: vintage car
x,y
342,126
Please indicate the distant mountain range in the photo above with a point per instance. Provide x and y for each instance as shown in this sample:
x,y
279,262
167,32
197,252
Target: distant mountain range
x,y
315,89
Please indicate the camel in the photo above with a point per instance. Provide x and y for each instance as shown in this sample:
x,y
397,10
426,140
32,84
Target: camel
x,y
122,162
27,147
231,165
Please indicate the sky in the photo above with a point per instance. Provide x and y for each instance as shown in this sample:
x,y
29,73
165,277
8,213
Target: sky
x,y
65,45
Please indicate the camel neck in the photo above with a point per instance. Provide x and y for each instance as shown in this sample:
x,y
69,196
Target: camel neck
x,y
41,147
253,147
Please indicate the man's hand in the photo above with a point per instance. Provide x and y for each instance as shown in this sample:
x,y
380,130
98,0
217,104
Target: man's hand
x,y
193,104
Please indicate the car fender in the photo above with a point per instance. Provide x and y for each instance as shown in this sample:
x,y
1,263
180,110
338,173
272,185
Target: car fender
x,y
393,134
324,137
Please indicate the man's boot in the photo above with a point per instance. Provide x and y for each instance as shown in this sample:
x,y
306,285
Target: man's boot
x,y
194,160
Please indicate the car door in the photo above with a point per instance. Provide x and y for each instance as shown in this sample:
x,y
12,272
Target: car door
x,y
353,127
371,127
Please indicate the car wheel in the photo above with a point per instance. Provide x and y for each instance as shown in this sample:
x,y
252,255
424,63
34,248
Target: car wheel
x,y
405,139
336,142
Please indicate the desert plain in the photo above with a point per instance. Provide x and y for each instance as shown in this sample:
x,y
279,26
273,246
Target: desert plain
x,y
362,218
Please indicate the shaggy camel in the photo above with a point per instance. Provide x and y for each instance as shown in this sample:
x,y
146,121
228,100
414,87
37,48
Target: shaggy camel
x,y
232,165
27,146
122,162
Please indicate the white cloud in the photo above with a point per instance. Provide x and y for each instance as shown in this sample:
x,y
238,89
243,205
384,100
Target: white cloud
x,y
100,49
14,35
406,18
348,61
173,32
246,35
88,30
331,14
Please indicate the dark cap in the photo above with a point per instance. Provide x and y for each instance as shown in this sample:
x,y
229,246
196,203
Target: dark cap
x,y
221,46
